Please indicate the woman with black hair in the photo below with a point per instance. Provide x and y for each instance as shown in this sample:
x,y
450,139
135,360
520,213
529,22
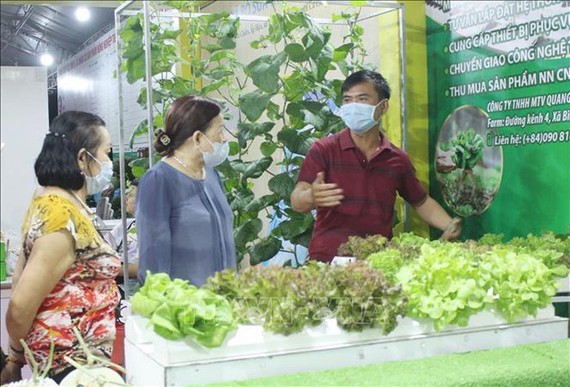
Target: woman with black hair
x,y
65,276
184,221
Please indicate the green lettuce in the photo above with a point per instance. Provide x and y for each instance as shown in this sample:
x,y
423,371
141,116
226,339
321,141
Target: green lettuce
x,y
177,310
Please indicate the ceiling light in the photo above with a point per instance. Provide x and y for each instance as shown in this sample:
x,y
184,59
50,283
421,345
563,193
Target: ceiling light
x,y
46,59
82,14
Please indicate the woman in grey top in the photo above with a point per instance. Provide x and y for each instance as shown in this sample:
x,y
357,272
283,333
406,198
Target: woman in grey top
x,y
184,222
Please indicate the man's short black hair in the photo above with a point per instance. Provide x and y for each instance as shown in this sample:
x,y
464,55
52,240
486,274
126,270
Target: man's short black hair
x,y
380,84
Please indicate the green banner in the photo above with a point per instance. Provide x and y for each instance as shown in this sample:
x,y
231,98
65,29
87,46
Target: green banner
x,y
499,114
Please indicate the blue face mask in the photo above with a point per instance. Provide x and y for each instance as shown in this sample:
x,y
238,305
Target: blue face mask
x,y
359,117
98,183
221,152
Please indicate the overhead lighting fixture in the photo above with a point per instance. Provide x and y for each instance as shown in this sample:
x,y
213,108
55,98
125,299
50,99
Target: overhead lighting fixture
x,y
46,59
82,14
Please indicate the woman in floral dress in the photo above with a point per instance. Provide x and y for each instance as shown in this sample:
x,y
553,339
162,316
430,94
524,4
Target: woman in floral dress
x,y
65,277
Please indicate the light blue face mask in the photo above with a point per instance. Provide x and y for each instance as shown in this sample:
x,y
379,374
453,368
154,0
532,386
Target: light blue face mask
x,y
98,183
359,117
221,152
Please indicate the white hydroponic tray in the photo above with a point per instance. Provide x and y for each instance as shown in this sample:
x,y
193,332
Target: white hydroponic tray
x,y
250,352
563,290
564,285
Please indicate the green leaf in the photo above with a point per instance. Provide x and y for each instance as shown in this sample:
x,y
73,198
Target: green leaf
x,y
263,250
344,69
220,55
324,62
220,73
560,271
249,131
342,16
273,112
170,34
234,148
136,69
268,148
211,48
296,52
314,43
134,50
282,185
144,305
238,166
275,30
264,71
296,86
139,167
303,238
257,44
358,3
226,169
157,121
131,28
241,200
358,30
228,43
157,97
256,168
253,104
313,112
140,130
208,89
260,203
294,141
340,53
164,323
288,229
248,232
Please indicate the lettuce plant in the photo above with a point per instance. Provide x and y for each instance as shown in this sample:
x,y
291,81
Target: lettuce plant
x,y
177,309
286,300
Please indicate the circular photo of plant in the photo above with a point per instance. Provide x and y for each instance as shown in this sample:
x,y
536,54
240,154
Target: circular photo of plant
x,y
468,172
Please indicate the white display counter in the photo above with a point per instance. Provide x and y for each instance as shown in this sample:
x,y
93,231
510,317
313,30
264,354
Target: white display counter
x,y
563,290
251,352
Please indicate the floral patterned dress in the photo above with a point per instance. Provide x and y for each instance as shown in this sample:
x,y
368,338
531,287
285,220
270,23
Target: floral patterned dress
x,y
85,297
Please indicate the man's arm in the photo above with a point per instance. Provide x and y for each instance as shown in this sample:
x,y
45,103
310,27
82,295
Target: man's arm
x,y
434,215
307,196
302,197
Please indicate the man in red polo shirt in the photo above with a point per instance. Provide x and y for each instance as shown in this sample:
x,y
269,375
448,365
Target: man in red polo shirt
x,y
353,176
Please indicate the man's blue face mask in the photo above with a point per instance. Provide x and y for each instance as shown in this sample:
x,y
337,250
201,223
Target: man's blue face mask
x,y
359,117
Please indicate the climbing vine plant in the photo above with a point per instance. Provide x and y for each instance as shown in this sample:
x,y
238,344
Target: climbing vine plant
x,y
281,101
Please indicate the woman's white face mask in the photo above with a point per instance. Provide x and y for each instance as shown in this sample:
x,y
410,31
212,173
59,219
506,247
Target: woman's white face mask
x,y
99,182
220,154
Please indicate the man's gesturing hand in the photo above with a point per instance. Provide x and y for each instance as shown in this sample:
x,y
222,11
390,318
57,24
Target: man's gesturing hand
x,y
325,195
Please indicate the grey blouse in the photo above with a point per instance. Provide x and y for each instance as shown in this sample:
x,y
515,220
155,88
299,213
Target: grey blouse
x,y
184,226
